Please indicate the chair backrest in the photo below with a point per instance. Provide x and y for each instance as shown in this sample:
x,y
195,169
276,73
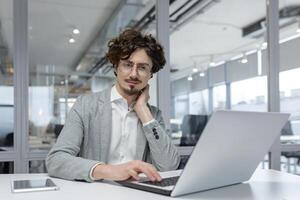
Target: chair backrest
x,y
287,129
192,127
57,129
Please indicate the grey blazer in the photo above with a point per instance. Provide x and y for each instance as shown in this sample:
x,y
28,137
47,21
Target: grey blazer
x,y
84,141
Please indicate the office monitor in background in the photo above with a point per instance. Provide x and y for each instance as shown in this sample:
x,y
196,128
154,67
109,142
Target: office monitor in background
x,y
191,128
228,152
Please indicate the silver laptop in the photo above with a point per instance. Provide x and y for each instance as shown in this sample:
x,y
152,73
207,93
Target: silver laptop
x,y
229,150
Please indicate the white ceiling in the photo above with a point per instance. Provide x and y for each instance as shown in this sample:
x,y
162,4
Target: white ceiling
x,y
50,26
218,32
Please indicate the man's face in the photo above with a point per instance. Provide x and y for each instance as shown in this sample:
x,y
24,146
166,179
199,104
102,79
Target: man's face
x,y
134,73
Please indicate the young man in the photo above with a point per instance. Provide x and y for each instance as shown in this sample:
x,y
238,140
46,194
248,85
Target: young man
x,y
116,134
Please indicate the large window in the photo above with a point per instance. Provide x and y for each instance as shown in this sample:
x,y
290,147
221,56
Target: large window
x,y
198,102
6,77
290,86
290,97
249,94
219,97
6,117
210,49
43,117
181,104
67,42
69,60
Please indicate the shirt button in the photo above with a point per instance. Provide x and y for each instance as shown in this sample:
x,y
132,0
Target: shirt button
x,y
156,137
154,129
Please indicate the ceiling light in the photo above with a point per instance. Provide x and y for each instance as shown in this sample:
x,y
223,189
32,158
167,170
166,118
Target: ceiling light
x,y
211,62
265,39
40,112
202,74
244,59
259,63
298,29
79,67
190,78
72,40
264,45
76,31
195,70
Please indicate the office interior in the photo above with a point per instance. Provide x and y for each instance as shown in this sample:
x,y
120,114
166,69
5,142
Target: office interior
x,y
221,55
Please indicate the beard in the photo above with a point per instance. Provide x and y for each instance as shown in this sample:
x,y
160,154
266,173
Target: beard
x,y
131,91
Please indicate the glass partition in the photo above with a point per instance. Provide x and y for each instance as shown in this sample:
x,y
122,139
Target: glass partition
x,y
67,46
255,99
6,77
289,84
214,55
219,97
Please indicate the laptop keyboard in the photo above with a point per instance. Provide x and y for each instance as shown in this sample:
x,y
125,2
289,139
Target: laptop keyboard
x,y
164,182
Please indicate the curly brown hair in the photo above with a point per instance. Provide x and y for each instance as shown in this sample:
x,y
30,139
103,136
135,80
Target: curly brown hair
x,y
121,47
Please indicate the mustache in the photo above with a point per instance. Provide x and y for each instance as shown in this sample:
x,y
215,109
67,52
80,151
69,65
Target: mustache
x,y
134,79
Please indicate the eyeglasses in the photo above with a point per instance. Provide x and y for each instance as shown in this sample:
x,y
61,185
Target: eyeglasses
x,y
143,69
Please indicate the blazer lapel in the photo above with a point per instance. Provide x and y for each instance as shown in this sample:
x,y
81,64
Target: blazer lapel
x,y
103,124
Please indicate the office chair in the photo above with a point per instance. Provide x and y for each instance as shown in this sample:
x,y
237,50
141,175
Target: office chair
x,y
57,129
287,130
7,167
191,128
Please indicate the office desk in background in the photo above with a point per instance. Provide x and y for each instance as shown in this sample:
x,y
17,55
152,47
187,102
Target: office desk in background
x,y
264,185
287,144
290,143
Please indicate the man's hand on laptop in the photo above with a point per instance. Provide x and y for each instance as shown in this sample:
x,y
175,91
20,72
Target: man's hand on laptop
x,y
125,171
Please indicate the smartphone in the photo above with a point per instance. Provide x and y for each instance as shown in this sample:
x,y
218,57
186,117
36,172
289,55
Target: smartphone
x,y
33,185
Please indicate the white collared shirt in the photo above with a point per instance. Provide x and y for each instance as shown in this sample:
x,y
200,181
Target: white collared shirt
x,y
125,127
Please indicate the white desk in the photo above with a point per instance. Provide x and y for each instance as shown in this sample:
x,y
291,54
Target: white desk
x,y
290,143
264,185
290,138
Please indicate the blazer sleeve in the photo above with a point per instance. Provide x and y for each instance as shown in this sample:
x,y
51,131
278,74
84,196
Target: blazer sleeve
x,y
62,160
163,153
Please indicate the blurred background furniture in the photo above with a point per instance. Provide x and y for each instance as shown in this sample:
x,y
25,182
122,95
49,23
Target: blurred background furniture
x,y
192,127
292,155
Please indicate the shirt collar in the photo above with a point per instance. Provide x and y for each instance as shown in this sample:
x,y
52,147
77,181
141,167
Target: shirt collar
x,y
114,94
